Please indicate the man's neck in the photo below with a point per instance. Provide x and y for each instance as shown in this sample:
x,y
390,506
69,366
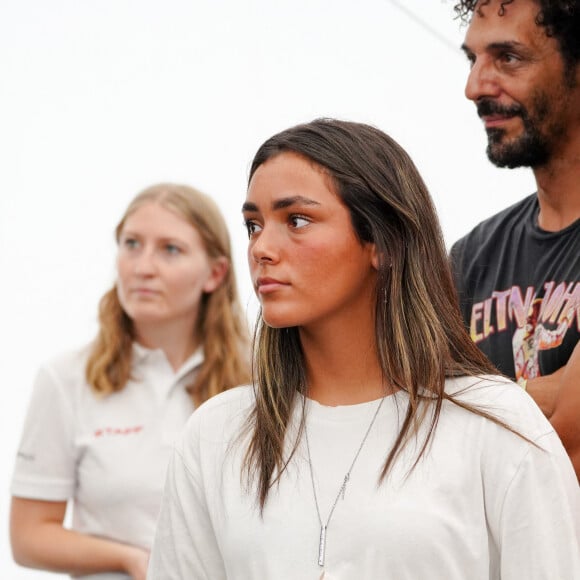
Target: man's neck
x,y
559,191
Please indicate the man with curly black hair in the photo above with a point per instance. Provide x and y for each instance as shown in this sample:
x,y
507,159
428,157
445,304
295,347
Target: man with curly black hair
x,y
518,272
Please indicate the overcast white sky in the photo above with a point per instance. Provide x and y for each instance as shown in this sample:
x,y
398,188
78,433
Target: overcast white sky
x,y
99,99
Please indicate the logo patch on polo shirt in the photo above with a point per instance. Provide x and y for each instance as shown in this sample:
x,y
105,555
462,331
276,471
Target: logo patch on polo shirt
x,y
108,431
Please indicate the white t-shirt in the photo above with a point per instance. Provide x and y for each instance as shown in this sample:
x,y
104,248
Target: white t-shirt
x,y
108,454
483,504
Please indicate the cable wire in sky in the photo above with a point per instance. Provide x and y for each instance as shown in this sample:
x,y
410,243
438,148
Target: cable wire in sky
x,y
432,31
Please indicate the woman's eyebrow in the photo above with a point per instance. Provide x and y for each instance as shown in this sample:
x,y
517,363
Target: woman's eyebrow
x,y
281,203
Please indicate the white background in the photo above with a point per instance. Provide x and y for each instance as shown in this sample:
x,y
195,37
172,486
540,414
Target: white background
x,y
99,99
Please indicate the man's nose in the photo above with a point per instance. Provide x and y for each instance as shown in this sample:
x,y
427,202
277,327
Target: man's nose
x,y
483,81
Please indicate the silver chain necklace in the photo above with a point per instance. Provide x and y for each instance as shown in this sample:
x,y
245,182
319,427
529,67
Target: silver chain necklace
x,y
342,489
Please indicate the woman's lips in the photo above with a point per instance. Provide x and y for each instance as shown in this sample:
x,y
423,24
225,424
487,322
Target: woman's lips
x,y
268,285
144,292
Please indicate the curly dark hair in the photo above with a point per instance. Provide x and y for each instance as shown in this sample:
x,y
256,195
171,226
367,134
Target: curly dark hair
x,y
560,18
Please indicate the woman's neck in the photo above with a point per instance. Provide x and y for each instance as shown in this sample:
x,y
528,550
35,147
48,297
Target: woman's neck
x,y
342,365
176,339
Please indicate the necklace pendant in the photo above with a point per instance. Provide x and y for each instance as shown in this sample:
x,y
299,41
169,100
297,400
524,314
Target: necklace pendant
x,y
322,546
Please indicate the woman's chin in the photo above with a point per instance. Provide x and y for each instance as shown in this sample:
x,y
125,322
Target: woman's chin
x,y
277,321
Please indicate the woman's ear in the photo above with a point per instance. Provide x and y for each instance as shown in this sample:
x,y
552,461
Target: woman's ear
x,y
374,257
219,269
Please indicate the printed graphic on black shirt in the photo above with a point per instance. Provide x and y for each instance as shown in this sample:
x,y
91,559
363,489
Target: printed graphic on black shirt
x,y
538,323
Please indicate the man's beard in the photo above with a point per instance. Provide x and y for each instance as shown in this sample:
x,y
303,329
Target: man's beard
x,y
530,149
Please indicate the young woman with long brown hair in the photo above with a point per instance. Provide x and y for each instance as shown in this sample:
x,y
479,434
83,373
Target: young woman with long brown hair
x,y
376,440
102,420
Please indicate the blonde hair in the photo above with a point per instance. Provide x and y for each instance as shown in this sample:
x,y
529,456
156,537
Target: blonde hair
x,y
221,327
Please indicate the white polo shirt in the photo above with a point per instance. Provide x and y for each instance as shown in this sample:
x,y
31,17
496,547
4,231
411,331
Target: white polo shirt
x,y
108,454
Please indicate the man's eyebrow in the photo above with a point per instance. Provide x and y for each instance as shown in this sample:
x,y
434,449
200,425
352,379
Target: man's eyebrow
x,y
282,203
497,46
465,48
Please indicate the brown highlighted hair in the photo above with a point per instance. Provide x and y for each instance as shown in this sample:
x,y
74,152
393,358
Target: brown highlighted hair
x,y
420,336
221,327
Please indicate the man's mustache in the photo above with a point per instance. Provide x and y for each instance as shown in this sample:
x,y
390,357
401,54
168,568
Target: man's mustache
x,y
487,107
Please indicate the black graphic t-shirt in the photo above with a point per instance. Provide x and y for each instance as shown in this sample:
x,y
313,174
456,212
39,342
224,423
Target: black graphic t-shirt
x,y
519,290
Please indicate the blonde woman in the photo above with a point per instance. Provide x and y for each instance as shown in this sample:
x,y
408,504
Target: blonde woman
x,y
377,442
102,420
